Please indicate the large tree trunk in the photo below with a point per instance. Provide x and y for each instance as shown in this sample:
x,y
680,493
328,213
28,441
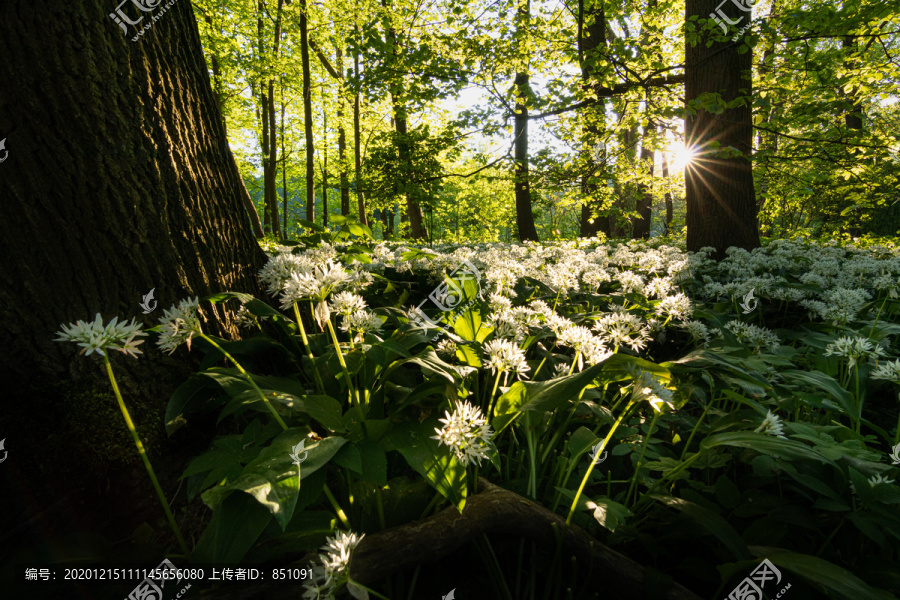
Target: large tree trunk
x,y
119,180
307,115
721,207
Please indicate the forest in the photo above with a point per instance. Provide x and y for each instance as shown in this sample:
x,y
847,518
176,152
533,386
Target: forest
x,y
462,300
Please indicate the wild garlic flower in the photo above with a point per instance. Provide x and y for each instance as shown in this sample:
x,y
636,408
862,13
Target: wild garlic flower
x,y
446,348
335,568
889,371
658,287
758,337
771,425
245,318
618,328
647,387
840,305
631,282
280,268
467,433
179,324
317,284
360,323
873,481
347,303
854,349
95,337
698,331
504,356
677,306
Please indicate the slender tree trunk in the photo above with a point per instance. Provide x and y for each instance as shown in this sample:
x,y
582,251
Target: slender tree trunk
x,y
357,143
342,140
267,207
591,46
324,163
418,231
853,118
641,227
284,165
271,174
667,225
524,216
307,115
721,207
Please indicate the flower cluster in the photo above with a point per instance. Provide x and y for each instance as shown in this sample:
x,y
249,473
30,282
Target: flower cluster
x,y
504,356
467,433
853,349
335,568
178,325
95,337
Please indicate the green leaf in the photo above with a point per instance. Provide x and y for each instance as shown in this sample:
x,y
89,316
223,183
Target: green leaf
x,y
184,397
542,395
326,410
232,531
823,574
272,477
430,459
711,522
764,444
826,384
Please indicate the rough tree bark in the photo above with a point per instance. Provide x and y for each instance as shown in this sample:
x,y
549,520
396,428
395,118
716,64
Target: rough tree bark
x,y
721,204
119,180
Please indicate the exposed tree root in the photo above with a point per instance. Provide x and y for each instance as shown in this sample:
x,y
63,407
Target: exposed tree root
x,y
492,510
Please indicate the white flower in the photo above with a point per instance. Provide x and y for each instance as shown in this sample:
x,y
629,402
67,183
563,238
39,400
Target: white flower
x,y
619,328
280,268
887,370
245,318
771,425
94,337
335,569
677,306
316,284
347,303
466,432
361,322
698,331
758,337
853,349
446,348
178,325
505,356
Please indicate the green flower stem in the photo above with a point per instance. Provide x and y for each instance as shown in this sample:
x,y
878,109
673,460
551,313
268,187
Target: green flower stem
x,y
575,361
641,457
370,590
881,308
532,450
859,402
145,458
337,507
490,402
319,385
248,378
337,347
694,430
590,468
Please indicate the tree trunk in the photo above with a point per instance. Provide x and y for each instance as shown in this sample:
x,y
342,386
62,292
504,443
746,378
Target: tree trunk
x,y
641,227
119,180
524,216
284,187
591,45
418,230
853,117
357,144
307,115
271,175
667,225
342,140
721,207
324,163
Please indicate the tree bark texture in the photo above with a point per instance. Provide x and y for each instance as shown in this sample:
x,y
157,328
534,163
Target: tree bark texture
x,y
721,206
119,177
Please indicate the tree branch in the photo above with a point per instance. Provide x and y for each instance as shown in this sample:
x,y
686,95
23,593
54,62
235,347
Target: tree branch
x,y
616,90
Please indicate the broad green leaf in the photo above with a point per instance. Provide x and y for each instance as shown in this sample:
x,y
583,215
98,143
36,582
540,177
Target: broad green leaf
x,y
232,531
193,390
764,444
823,574
711,522
825,383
